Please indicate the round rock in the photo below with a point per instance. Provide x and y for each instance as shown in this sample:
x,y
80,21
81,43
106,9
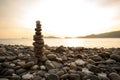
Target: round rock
x,y
114,76
64,77
51,56
52,77
96,58
80,62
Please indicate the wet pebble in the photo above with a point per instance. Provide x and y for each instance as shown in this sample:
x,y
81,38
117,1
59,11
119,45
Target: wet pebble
x,y
114,76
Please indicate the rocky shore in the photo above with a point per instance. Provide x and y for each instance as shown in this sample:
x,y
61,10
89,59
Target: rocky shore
x,y
59,63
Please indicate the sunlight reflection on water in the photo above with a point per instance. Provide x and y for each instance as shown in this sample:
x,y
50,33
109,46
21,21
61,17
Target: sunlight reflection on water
x,y
74,42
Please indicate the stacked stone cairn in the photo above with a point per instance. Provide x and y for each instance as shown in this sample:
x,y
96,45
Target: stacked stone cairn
x,y
39,43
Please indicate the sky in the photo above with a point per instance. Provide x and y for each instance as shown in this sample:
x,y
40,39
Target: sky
x,y
58,17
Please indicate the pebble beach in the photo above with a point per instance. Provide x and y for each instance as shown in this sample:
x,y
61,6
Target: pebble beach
x,y
59,63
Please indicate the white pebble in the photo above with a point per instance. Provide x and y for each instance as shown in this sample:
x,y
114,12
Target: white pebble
x,y
86,71
102,74
42,67
27,76
20,54
80,62
35,67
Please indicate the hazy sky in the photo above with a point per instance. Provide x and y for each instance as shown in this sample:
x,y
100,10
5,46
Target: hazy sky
x,y
58,17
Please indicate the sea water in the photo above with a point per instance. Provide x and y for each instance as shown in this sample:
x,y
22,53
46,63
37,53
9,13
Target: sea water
x,y
71,42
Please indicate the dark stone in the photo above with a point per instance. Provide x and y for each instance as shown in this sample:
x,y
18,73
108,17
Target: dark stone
x,y
5,64
104,78
4,79
66,69
116,68
65,77
105,55
15,77
9,72
51,56
20,71
115,57
17,67
60,49
71,71
91,77
53,71
94,69
110,61
41,73
10,58
74,77
114,76
2,50
44,58
57,64
37,78
96,58
60,73
109,69
52,77
79,56
3,70
2,59
28,65
81,74
79,68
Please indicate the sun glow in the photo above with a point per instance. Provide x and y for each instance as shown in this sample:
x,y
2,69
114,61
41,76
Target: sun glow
x,y
74,42
68,17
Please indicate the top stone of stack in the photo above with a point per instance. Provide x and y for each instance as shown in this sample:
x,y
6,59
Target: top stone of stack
x,y
38,22
38,25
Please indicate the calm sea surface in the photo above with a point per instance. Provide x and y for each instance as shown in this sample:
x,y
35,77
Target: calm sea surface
x,y
74,42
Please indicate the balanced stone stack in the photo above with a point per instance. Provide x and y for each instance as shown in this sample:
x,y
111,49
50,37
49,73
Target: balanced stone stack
x,y
39,42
